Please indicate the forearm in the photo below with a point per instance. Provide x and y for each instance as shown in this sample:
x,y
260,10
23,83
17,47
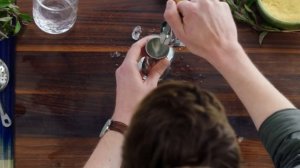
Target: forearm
x,y
258,95
107,154
131,89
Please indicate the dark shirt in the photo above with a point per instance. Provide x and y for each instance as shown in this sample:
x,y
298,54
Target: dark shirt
x,y
280,134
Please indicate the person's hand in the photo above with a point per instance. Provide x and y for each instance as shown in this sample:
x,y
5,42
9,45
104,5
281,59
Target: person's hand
x,y
206,27
131,88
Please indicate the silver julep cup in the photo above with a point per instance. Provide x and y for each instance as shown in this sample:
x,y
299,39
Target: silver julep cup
x,y
155,51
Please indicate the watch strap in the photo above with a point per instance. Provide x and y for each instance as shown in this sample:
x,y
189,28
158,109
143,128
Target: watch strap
x,y
118,127
113,126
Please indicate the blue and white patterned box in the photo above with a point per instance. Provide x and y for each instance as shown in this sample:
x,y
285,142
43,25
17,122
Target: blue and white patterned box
x,y
7,98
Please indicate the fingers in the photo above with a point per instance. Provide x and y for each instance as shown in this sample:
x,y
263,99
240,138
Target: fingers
x,y
157,70
134,52
173,18
186,7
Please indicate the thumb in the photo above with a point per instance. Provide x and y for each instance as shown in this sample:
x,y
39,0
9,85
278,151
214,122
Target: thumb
x,y
157,71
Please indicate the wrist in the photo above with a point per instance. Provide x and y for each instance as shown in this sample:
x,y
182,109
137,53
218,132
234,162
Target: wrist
x,y
111,133
122,115
113,125
227,55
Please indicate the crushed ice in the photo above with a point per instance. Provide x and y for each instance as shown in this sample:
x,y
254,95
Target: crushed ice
x,y
115,54
136,33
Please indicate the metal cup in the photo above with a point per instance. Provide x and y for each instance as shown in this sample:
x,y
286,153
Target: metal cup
x,y
155,51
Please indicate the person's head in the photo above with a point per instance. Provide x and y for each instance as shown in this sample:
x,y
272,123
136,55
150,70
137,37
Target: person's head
x,y
180,125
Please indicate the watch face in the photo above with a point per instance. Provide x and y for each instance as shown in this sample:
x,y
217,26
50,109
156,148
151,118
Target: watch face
x,y
4,75
105,128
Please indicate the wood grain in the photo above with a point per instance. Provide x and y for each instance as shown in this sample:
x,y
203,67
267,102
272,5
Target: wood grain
x,y
74,152
106,24
65,84
254,155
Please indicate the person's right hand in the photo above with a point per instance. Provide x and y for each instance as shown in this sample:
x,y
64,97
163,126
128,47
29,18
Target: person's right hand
x,y
206,27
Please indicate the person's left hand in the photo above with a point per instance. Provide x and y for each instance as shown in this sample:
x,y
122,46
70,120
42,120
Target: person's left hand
x,y
131,88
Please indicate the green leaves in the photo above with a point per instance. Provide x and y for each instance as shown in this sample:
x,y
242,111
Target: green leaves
x,y
6,19
25,18
4,3
245,11
17,28
11,19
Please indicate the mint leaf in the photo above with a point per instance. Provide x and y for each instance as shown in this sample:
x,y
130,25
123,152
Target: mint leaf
x,y
17,28
25,18
5,19
11,19
4,3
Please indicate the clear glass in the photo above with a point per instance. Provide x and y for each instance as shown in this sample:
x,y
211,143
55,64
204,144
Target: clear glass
x,y
55,16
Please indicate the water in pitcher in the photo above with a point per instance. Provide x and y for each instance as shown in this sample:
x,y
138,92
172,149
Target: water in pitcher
x,y
55,16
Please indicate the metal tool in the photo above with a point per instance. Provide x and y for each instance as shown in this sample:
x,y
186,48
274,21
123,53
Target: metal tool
x,y
4,78
167,37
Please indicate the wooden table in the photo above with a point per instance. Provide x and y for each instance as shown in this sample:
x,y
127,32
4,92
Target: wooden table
x,y
65,84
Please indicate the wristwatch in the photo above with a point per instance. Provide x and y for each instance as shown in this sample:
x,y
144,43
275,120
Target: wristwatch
x,y
114,126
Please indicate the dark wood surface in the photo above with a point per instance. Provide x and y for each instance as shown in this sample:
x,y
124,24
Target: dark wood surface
x,y
65,84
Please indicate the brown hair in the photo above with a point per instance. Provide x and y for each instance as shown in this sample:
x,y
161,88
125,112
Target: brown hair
x,y
178,124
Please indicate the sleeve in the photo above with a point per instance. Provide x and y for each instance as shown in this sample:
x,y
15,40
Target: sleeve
x,y
280,134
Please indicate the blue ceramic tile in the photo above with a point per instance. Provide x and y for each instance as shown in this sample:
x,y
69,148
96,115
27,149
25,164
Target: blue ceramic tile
x,y
7,98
